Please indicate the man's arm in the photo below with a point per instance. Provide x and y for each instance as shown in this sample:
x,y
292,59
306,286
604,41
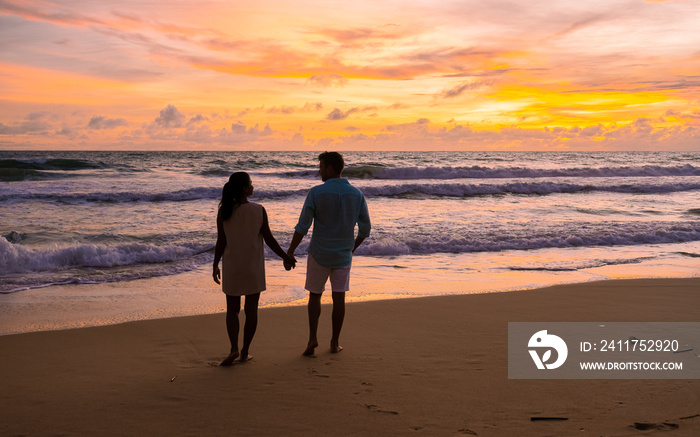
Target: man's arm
x,y
306,218
358,241
364,225
296,239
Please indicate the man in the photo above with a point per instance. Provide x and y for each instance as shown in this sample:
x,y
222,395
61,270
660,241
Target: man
x,y
334,207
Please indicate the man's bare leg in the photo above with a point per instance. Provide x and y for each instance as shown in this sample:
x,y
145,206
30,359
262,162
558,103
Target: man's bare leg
x,y
337,318
233,306
314,309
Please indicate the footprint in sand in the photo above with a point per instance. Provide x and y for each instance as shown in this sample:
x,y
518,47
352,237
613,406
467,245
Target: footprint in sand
x,y
368,388
644,426
313,372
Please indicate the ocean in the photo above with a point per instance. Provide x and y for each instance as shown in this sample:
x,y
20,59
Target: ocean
x,y
485,221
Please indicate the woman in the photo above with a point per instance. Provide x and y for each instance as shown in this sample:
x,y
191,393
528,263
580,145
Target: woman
x,y
242,227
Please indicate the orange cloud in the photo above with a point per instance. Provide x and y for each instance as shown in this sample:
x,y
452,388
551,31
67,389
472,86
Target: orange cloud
x,y
35,13
28,84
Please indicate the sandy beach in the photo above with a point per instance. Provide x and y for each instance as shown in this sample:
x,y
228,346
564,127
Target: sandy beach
x,y
424,366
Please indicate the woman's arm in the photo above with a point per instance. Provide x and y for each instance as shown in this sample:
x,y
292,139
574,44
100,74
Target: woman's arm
x,y
272,243
219,250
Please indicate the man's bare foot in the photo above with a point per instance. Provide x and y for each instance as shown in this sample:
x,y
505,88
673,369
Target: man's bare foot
x,y
335,348
310,348
229,359
246,358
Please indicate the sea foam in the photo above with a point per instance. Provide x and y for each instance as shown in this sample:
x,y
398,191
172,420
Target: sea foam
x,y
16,258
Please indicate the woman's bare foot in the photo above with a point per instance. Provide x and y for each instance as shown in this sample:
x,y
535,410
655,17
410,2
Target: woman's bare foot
x,y
246,358
310,348
229,359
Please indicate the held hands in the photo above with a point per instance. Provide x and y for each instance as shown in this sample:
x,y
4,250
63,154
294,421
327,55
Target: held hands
x,y
289,262
217,274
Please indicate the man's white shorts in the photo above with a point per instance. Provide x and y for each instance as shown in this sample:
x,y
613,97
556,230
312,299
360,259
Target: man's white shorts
x,y
317,276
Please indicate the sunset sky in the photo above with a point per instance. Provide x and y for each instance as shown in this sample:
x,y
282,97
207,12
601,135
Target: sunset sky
x,y
358,75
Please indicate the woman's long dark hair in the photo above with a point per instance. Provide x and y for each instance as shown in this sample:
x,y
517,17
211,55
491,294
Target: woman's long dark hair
x,y
232,193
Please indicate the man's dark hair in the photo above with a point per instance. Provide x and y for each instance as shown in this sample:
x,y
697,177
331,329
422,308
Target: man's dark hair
x,y
334,159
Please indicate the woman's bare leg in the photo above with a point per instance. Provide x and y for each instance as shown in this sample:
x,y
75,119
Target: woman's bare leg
x,y
233,307
251,323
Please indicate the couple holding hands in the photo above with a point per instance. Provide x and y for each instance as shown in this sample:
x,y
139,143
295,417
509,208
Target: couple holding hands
x,y
334,208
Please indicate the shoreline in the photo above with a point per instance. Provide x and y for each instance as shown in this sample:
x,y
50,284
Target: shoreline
x,y
194,293
424,366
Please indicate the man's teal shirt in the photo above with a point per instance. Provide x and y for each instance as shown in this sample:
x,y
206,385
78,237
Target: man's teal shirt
x,y
334,208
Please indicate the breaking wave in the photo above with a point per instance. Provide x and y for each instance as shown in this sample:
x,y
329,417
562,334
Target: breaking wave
x,y
480,172
394,190
622,236
16,258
